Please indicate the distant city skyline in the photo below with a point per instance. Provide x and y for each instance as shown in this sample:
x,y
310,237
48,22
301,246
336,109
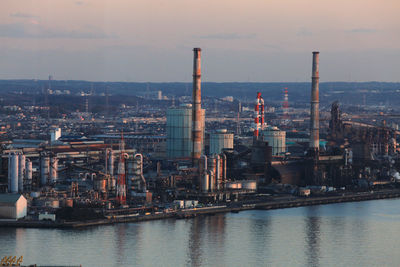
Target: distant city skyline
x,y
243,41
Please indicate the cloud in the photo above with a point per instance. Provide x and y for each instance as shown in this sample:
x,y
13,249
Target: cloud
x,y
79,3
362,30
22,15
228,36
35,30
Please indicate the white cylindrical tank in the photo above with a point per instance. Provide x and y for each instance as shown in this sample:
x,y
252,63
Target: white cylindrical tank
x,y
44,170
53,169
212,167
9,172
205,182
220,140
28,170
276,139
218,173
21,172
211,176
14,173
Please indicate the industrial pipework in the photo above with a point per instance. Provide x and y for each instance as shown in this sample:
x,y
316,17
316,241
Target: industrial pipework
x,y
196,108
314,120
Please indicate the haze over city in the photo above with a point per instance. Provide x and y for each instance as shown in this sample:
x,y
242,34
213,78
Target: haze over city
x,y
255,40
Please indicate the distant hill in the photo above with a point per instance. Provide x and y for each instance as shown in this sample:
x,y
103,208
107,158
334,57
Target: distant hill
x,y
345,92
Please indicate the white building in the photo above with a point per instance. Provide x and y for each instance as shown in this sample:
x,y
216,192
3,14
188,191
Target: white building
x,y
12,206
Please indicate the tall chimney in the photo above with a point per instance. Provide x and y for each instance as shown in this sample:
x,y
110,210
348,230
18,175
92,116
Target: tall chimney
x,y
197,119
314,120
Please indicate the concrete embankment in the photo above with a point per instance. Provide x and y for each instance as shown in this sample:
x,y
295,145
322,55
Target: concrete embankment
x,y
273,203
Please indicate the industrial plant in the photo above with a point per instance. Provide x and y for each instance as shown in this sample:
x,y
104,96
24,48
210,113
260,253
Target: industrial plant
x,y
182,157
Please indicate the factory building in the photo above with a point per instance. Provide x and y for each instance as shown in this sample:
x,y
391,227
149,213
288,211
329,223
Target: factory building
x,y
179,131
276,139
220,140
12,206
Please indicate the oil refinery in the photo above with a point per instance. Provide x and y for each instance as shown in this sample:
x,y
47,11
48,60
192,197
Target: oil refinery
x,y
182,158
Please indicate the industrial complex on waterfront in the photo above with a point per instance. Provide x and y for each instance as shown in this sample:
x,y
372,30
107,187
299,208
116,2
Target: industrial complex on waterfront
x,y
184,158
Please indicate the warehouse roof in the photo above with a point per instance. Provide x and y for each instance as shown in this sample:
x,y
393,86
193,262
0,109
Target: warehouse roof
x,y
9,198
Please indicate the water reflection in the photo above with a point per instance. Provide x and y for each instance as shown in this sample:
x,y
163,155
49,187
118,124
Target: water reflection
x,y
209,230
312,232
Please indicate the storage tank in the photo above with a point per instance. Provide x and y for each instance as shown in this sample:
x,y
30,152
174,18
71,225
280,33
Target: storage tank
x,y
9,172
28,171
179,131
211,176
69,202
231,185
100,184
44,170
53,169
219,140
212,168
205,182
14,173
276,139
218,172
35,194
249,185
21,172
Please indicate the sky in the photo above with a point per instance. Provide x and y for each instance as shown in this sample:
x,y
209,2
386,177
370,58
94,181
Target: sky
x,y
241,40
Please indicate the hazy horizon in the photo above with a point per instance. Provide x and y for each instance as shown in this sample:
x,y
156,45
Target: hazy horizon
x,y
242,41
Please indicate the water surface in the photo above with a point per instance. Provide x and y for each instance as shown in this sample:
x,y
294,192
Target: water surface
x,y
347,234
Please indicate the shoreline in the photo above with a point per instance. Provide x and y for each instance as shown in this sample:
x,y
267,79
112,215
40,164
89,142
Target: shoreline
x,y
276,203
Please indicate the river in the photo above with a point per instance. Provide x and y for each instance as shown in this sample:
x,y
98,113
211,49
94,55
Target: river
x,y
346,234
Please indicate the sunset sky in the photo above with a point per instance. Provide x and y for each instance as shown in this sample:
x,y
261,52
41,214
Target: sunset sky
x,y
242,40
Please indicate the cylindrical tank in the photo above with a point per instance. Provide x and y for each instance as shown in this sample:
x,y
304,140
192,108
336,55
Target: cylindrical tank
x,y
110,162
53,169
100,185
28,170
205,182
249,185
44,170
14,173
276,139
129,171
69,202
203,164
21,172
218,173
35,194
224,160
220,140
113,183
211,176
9,172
